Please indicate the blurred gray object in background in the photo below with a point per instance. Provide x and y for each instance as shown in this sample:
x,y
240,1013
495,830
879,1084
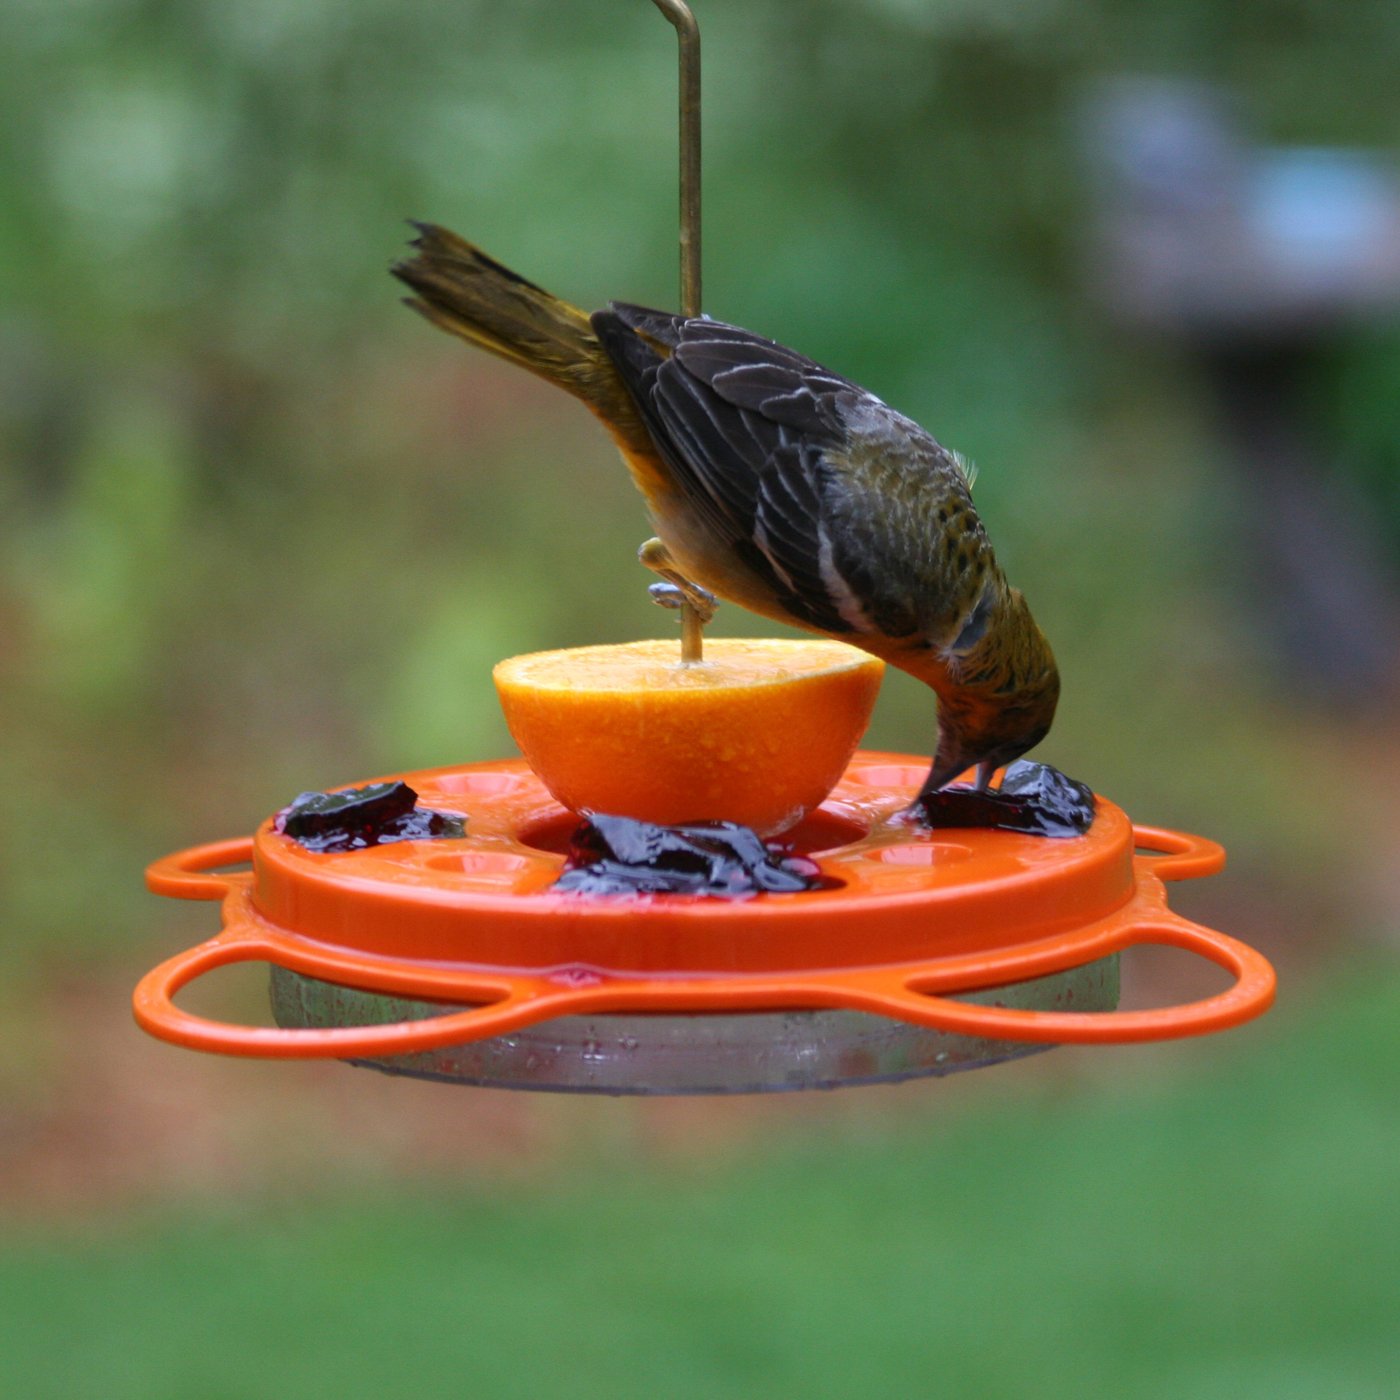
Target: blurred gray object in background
x,y
1249,260
1199,233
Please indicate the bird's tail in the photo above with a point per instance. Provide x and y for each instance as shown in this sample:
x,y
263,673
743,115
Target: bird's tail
x,y
462,290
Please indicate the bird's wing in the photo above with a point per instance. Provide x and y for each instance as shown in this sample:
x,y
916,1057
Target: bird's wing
x,y
760,438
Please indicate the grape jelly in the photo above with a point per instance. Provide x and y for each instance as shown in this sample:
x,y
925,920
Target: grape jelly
x,y
1033,798
619,856
373,815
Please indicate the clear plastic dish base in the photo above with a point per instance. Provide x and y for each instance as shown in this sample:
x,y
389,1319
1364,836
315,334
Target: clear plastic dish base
x,y
703,1053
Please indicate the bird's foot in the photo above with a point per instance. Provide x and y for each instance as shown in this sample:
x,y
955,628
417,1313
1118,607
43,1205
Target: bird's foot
x,y
696,605
683,595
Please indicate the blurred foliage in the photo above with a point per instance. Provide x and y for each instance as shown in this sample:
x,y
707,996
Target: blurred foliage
x,y
1159,1240
262,531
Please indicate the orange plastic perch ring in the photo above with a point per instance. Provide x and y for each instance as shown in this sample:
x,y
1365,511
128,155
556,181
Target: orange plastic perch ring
x,y
916,918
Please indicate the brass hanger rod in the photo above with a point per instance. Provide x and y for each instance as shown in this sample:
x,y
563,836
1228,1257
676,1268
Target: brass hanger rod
x,y
688,35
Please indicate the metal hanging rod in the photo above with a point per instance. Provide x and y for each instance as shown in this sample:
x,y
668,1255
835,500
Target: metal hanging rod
x,y
688,36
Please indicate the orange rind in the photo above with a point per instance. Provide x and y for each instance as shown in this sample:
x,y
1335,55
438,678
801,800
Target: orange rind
x,y
758,732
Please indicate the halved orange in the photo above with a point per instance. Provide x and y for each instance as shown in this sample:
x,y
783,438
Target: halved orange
x,y
758,732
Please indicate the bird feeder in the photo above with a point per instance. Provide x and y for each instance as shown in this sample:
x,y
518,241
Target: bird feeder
x,y
929,951
454,951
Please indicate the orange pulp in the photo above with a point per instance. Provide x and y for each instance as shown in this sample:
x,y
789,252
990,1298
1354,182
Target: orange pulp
x,y
758,732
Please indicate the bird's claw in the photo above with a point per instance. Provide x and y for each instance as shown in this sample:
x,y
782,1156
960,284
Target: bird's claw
x,y
681,594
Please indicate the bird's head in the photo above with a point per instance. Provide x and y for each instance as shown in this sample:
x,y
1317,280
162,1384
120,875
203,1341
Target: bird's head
x,y
998,694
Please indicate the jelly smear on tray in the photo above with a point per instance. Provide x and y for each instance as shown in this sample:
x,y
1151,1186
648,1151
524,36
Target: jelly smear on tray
x,y
1033,798
354,818
611,855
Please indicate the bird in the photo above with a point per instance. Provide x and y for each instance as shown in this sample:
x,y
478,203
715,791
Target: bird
x,y
780,486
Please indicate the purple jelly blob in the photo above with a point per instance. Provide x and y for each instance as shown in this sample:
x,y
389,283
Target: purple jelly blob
x,y
1033,798
354,818
722,860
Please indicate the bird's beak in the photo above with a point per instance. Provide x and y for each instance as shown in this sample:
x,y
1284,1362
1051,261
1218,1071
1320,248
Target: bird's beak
x,y
943,773
940,775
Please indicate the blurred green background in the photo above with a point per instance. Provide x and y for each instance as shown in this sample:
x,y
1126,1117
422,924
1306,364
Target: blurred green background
x,y
261,531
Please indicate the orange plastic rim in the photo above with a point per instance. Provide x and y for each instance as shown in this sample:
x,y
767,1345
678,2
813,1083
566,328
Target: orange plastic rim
x,y
918,916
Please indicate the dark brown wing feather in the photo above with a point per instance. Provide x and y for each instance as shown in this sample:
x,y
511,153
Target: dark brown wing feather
x,y
744,424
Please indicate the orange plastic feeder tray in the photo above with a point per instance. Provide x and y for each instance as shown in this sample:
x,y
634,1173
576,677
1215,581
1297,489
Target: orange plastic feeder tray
x,y
453,958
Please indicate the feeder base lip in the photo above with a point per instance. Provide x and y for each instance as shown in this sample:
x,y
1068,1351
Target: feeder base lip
x,y
724,1053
